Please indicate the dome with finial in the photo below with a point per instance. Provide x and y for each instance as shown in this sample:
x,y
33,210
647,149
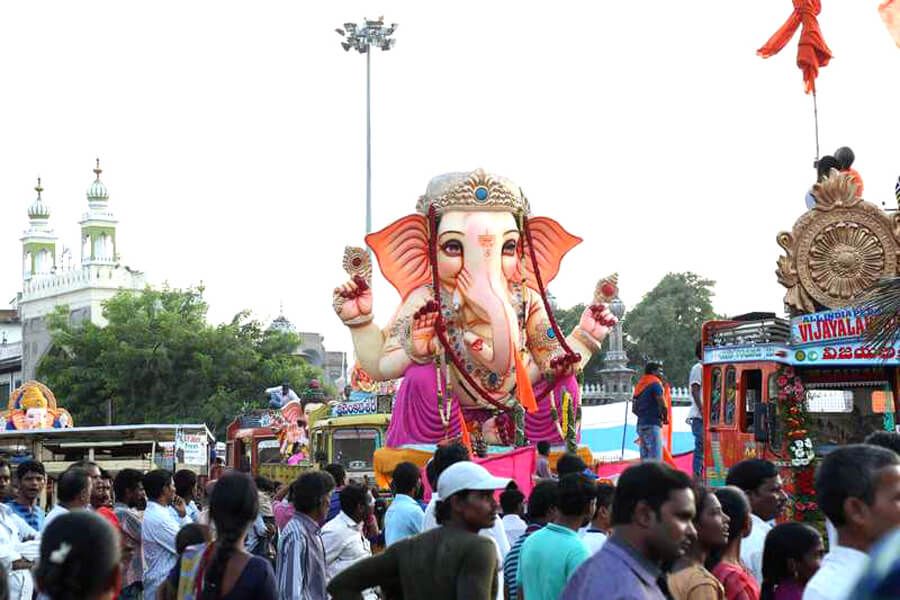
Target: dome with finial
x,y
617,307
281,323
97,192
38,210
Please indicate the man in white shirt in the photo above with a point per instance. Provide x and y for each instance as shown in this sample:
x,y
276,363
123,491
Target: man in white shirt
x,y
186,489
761,482
858,488
73,491
19,544
281,395
512,502
695,417
19,547
344,536
600,526
159,529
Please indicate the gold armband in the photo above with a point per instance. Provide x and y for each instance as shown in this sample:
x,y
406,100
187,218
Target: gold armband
x,y
587,340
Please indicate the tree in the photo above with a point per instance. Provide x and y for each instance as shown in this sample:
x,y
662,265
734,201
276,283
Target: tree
x,y
665,325
158,361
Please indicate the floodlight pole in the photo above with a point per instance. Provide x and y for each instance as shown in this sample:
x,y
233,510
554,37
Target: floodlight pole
x,y
362,38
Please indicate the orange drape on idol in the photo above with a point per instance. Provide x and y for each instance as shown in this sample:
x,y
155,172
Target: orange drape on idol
x,y
526,392
812,52
463,428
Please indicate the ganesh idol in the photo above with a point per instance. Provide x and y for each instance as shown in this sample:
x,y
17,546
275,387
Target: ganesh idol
x,y
474,338
33,406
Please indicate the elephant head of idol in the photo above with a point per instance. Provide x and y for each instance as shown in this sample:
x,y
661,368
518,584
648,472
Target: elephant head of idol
x,y
474,245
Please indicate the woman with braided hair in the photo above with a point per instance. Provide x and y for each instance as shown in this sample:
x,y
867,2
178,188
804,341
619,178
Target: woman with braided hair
x,y
225,570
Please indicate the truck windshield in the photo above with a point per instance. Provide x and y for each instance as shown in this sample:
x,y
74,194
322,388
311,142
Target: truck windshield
x,y
844,410
354,448
269,451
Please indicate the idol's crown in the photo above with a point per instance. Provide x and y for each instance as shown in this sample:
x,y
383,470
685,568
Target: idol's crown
x,y
473,191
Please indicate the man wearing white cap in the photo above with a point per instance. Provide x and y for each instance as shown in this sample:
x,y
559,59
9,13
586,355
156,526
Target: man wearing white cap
x,y
444,457
451,562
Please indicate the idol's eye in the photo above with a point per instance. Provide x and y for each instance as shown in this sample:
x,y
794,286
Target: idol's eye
x,y
509,247
452,248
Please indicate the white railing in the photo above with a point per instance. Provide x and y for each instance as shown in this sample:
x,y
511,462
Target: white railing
x,y
62,281
680,395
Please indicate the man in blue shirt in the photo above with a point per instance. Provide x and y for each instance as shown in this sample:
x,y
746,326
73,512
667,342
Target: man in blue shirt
x,y
652,518
541,510
649,405
339,474
553,554
32,477
404,516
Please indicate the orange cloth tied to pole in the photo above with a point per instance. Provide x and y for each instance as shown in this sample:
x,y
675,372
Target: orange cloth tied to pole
x,y
812,52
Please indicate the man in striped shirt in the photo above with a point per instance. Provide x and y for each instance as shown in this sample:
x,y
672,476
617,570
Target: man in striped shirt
x,y
300,569
541,510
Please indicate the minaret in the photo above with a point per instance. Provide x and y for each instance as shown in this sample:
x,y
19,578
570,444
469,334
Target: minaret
x,y
38,241
98,226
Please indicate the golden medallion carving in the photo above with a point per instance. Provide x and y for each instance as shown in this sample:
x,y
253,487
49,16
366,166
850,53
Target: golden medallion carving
x,y
836,250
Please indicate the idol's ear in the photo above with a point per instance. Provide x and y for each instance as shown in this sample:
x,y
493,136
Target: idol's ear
x,y
551,243
402,252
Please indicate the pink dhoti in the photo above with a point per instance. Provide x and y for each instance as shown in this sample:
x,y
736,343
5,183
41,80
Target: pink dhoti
x,y
416,419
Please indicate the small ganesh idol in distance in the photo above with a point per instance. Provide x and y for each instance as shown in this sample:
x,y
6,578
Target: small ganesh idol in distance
x,y
33,406
474,338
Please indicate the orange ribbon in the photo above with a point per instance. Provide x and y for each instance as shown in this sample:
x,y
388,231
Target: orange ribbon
x,y
523,386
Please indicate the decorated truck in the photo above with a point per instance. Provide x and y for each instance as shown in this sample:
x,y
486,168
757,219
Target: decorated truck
x,y
790,390
346,432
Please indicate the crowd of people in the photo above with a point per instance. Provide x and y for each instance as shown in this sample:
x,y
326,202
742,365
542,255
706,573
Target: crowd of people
x,y
153,535
656,533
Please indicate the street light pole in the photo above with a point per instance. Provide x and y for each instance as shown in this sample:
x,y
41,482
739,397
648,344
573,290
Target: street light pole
x,y
361,38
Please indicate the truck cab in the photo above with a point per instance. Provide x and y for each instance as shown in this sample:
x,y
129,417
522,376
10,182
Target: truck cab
x,y
350,441
849,388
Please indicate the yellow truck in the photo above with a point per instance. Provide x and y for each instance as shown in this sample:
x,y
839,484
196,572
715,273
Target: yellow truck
x,y
350,441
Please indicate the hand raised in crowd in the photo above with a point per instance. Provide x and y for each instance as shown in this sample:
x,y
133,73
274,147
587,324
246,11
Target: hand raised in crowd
x,y
179,506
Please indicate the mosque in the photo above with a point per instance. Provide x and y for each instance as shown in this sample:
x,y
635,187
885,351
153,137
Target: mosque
x,y
52,278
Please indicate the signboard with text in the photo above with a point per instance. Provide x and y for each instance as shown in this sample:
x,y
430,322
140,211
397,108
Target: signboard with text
x,y
829,326
845,353
190,448
745,354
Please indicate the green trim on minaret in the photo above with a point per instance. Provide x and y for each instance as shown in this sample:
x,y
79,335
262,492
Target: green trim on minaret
x,y
38,210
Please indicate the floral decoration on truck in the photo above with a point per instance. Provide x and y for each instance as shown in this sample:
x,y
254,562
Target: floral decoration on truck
x,y
792,406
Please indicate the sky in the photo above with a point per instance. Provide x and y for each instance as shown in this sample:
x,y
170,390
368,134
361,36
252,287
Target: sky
x,y
232,135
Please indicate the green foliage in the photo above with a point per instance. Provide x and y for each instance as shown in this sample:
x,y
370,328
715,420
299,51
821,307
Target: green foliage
x,y
567,319
159,361
665,325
